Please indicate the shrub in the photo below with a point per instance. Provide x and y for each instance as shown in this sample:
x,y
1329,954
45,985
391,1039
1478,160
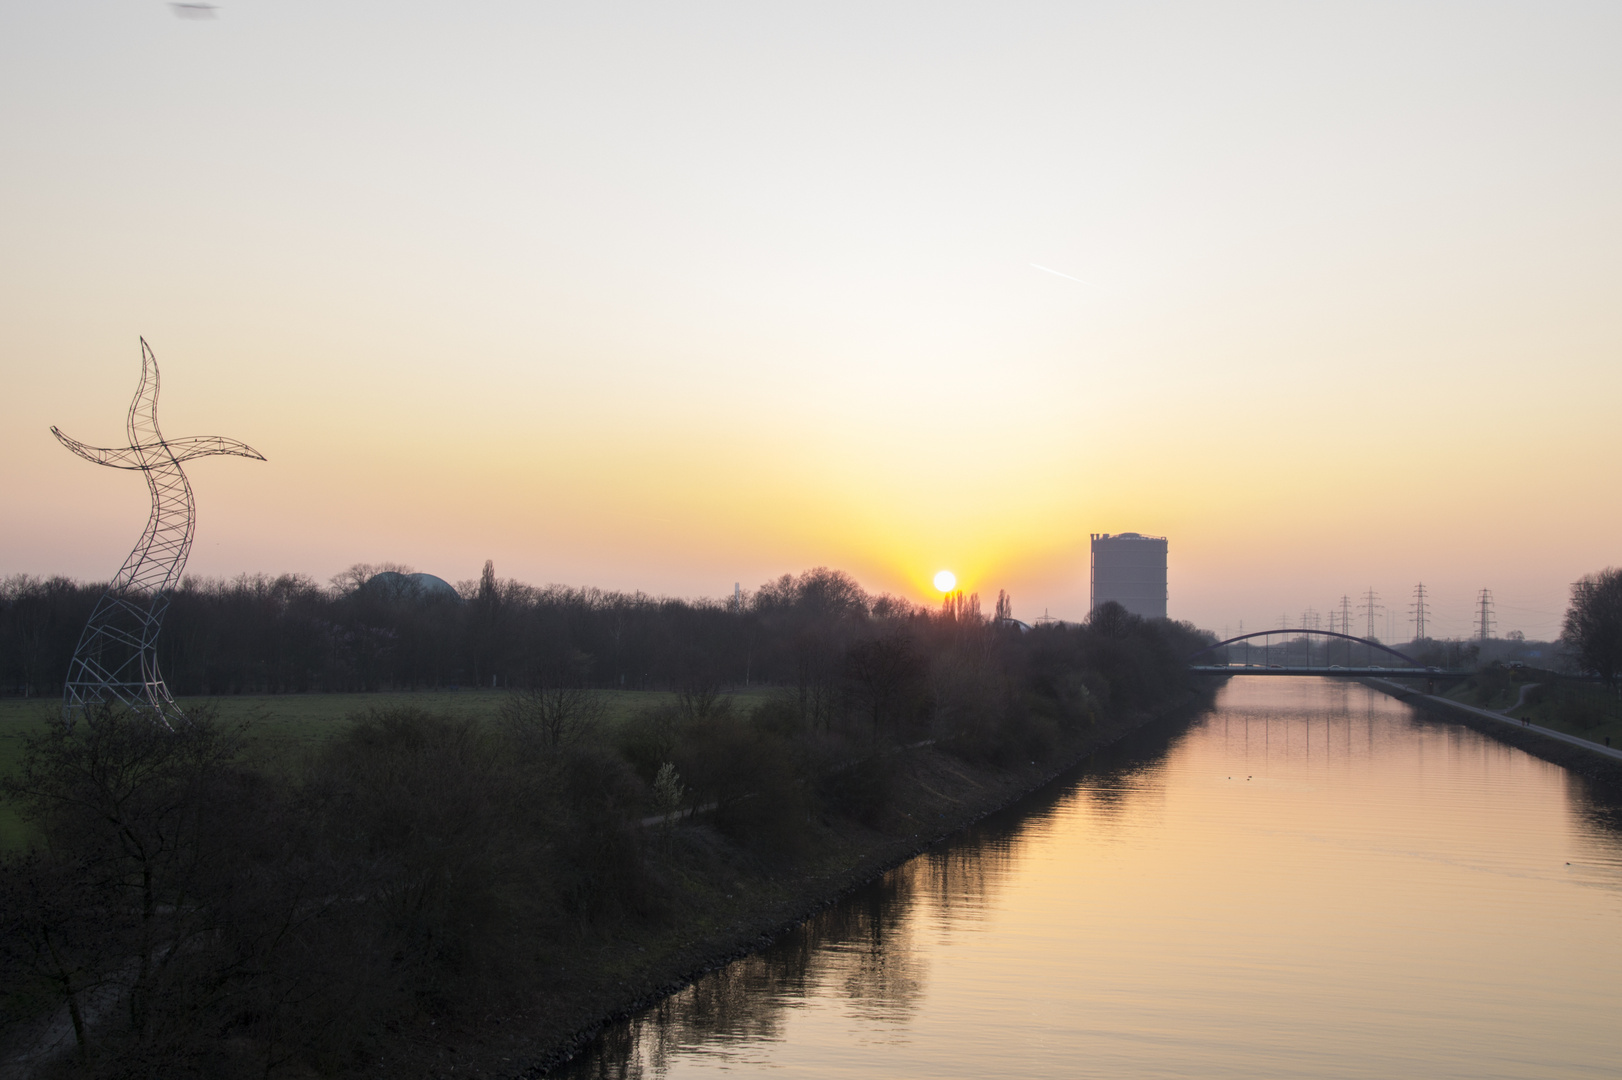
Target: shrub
x,y
1578,711
648,739
752,777
447,832
860,790
601,872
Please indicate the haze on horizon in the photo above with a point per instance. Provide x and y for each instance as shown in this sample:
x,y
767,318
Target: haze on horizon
x,y
665,297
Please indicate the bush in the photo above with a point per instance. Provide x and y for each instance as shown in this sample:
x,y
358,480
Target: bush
x,y
860,790
648,739
1491,681
752,775
601,872
422,800
157,916
1578,711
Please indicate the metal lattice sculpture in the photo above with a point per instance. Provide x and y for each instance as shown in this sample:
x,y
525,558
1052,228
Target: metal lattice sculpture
x,y
117,659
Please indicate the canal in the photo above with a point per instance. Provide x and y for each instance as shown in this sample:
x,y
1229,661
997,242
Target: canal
x,y
1309,879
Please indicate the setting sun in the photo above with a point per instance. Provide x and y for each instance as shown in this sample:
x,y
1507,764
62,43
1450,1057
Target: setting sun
x,y
945,581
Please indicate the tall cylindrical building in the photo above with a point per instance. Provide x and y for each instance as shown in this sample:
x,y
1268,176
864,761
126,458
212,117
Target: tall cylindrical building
x,y
1130,569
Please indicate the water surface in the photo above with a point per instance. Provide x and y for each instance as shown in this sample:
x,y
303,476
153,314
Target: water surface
x,y
1309,880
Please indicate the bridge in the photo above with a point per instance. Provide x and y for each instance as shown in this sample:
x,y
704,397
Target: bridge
x,y
1293,648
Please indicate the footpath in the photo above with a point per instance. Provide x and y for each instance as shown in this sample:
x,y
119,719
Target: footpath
x,y
1588,758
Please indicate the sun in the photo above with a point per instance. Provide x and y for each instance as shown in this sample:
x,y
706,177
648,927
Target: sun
x,y
945,581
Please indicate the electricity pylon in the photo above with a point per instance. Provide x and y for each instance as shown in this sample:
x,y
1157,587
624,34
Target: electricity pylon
x,y
1484,619
1420,609
117,657
1370,606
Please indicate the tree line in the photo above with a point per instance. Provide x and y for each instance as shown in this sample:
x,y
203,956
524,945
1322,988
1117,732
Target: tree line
x,y
258,634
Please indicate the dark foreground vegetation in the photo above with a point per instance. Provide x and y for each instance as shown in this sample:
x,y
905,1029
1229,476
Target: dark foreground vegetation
x,y
424,891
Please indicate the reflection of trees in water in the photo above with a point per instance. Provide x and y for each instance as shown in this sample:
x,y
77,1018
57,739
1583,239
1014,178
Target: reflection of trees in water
x,y
1598,805
861,949
961,875
871,953
861,946
1114,797
1119,780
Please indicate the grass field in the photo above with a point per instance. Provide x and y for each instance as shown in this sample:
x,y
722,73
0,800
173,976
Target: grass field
x,y
1600,721
1598,717
282,726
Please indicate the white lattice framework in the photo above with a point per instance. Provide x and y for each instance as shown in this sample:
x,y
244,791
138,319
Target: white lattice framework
x,y
117,658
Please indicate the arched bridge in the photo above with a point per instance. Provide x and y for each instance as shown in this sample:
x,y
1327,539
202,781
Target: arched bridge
x,y
1273,659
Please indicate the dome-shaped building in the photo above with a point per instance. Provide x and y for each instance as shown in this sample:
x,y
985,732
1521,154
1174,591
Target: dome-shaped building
x,y
422,588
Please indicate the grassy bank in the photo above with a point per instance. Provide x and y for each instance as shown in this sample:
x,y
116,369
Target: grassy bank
x,y
1576,756
1578,707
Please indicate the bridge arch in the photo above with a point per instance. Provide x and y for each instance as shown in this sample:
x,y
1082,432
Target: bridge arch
x,y
1320,633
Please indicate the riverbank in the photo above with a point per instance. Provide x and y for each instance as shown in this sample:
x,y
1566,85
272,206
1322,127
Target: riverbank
x,y
739,905
438,894
1568,751
1373,851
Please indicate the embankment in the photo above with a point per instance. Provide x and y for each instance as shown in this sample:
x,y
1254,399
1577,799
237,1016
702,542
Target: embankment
x,y
742,905
1578,755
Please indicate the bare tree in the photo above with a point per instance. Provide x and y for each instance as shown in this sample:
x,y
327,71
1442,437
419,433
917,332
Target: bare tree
x,y
551,716
885,672
141,813
1593,629
54,945
347,581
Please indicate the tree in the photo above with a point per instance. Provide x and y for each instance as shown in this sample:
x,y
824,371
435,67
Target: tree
x,y
486,614
1593,629
885,672
552,715
52,949
1111,620
147,843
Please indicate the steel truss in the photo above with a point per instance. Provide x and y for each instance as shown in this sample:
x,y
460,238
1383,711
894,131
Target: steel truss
x,y
117,658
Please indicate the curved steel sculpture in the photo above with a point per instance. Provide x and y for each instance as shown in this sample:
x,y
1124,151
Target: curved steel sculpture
x,y
117,658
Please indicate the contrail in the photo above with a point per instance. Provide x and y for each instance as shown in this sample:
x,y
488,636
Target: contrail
x,y
1056,273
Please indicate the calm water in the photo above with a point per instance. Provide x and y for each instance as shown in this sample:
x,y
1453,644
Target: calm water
x,y
1309,881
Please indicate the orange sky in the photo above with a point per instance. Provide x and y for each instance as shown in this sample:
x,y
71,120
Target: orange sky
x,y
669,298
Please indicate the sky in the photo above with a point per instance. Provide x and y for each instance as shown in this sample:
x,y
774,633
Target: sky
x,y
667,296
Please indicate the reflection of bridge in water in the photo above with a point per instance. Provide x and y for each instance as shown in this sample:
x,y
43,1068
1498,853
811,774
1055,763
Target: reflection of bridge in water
x,y
1293,648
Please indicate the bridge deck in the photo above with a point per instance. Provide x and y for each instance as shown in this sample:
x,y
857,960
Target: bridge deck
x,y
1333,669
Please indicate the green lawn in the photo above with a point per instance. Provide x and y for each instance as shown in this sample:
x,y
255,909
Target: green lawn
x,y
1584,709
1598,717
280,726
